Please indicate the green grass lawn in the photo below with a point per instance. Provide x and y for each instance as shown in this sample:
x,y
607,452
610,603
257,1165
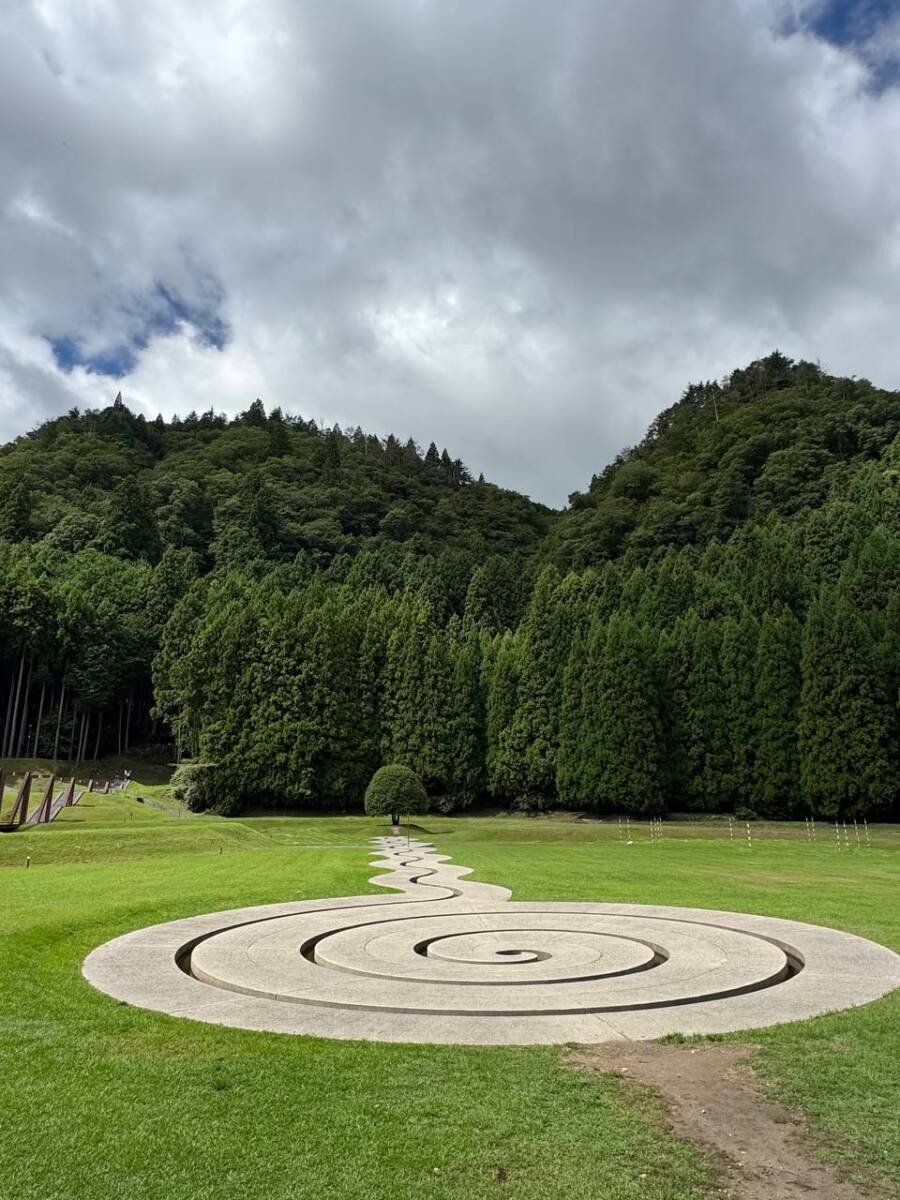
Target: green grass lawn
x,y
98,1099
843,1070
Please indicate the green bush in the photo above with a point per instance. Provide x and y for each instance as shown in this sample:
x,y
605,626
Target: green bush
x,y
196,785
450,802
394,790
531,803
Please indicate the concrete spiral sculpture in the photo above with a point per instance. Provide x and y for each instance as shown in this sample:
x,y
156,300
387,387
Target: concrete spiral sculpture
x,y
446,961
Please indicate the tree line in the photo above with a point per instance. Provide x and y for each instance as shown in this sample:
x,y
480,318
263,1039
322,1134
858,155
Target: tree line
x,y
760,675
712,627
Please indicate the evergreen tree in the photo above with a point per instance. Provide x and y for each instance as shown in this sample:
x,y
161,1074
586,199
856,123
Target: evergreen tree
x,y
129,527
494,595
255,415
572,734
622,729
776,713
501,670
534,733
846,716
15,513
700,709
279,439
466,717
738,661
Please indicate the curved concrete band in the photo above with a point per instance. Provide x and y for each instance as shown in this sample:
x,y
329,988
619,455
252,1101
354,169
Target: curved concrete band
x,y
442,960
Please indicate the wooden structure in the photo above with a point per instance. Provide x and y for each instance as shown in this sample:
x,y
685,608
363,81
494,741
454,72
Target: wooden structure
x,y
45,812
19,814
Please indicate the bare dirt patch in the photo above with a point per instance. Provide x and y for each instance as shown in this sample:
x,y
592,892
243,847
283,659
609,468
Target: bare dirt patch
x,y
713,1101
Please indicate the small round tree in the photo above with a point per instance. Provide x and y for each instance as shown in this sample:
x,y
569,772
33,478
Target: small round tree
x,y
394,790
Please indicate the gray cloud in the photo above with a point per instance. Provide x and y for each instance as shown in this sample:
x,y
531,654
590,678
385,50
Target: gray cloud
x,y
519,229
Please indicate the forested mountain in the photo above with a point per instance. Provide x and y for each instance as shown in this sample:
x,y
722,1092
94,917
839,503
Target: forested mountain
x,y
773,439
713,626
106,519
241,493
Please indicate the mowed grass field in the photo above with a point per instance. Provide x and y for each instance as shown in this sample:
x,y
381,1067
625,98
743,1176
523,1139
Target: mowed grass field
x,y
98,1099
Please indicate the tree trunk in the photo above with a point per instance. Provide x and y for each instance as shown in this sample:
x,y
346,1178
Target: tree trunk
x,y
72,735
10,746
85,728
37,728
121,702
20,743
59,713
97,742
128,723
9,713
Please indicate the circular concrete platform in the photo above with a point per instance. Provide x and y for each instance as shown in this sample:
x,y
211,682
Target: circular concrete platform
x,y
449,961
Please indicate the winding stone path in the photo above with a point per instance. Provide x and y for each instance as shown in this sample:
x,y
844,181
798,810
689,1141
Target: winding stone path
x,y
442,960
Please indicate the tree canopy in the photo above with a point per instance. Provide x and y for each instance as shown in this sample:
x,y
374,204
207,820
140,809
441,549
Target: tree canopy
x,y
714,626
395,791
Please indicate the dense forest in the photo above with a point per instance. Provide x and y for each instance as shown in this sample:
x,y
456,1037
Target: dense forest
x,y
713,626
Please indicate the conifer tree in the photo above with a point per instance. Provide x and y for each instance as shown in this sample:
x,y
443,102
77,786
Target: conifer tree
x,y
129,527
738,660
465,715
846,715
776,713
700,710
570,759
494,596
15,513
404,683
534,733
622,729
279,439
501,669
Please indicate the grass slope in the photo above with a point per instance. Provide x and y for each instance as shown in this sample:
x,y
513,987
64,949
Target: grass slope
x,y
843,1070
104,1100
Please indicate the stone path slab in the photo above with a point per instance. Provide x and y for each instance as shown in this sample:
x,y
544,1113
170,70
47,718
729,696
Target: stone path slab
x,y
445,960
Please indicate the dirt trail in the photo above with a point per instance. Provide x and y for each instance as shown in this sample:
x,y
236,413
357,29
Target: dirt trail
x,y
713,1101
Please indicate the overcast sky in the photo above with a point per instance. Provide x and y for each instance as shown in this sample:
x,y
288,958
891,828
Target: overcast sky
x,y
516,227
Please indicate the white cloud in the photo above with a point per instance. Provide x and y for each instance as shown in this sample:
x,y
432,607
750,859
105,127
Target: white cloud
x,y
517,229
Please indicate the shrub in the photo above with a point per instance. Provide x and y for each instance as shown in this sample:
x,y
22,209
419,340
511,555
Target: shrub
x,y
394,790
195,785
531,803
450,802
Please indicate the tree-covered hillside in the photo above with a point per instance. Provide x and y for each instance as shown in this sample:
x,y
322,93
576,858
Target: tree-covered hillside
x,y
259,488
106,518
714,626
773,439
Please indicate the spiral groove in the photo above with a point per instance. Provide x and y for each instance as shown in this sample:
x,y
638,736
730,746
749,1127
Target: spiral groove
x,y
448,960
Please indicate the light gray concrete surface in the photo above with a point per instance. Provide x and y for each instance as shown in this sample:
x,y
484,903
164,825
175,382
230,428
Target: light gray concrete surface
x,y
444,960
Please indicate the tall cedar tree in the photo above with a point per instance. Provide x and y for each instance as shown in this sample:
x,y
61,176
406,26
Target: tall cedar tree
x,y
572,734
845,711
621,771
534,734
500,670
738,660
701,713
777,680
